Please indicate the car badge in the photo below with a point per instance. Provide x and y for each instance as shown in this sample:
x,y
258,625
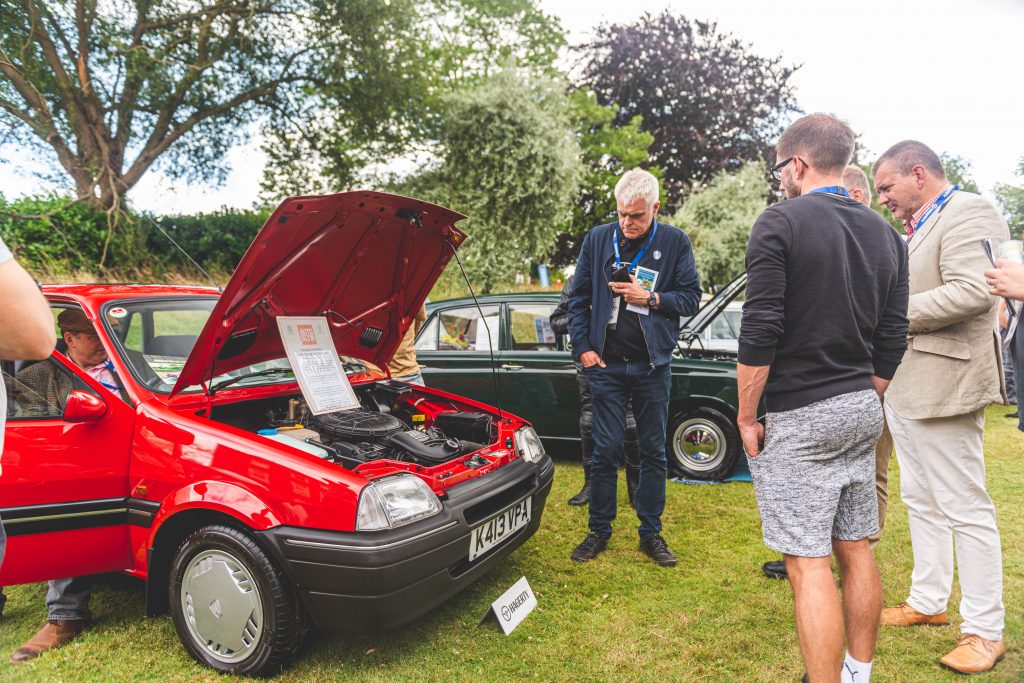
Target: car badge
x,y
657,255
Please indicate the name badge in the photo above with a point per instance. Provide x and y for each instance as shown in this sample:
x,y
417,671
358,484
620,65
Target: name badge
x,y
613,317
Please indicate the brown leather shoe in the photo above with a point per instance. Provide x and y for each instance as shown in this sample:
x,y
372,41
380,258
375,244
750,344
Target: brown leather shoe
x,y
974,654
905,615
52,635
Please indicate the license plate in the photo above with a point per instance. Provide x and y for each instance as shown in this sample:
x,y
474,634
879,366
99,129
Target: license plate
x,y
498,528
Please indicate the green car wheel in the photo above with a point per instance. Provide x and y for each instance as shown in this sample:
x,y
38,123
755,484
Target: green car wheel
x,y
703,444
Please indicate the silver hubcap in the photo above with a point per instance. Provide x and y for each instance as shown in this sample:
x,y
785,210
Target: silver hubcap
x,y
698,444
222,606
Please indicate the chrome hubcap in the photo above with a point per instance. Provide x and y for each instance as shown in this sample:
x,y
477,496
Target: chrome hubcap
x,y
698,444
222,606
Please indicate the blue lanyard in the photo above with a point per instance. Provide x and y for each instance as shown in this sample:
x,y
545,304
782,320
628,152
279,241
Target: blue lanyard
x,y
639,254
936,205
109,366
832,189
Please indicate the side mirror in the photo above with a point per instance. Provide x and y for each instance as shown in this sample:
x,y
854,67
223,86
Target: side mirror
x,y
84,407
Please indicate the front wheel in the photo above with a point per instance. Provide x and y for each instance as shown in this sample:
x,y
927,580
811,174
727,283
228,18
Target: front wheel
x,y
233,610
704,444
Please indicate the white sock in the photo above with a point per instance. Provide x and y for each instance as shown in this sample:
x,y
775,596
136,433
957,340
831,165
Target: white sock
x,y
854,671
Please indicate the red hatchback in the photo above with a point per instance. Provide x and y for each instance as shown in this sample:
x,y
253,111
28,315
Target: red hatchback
x,y
204,472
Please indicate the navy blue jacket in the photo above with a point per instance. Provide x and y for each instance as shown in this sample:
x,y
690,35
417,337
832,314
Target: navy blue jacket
x,y
678,286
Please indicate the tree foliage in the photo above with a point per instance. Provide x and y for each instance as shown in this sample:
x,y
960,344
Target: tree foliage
x,y
710,103
111,88
510,161
718,218
397,104
1011,199
607,151
958,172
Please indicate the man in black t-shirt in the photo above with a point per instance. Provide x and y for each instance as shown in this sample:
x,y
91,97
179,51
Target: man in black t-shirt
x,y
824,329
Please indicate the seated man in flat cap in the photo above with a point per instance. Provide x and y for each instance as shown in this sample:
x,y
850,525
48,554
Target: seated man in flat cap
x,y
47,387
44,390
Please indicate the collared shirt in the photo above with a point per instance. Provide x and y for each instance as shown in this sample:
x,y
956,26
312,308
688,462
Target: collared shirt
x,y
910,225
103,373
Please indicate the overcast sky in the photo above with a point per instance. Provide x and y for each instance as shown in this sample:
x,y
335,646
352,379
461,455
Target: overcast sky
x,y
950,74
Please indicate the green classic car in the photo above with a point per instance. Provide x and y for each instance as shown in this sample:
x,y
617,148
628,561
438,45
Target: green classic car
x,y
535,377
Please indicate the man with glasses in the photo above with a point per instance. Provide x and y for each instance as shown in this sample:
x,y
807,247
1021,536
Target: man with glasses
x,y
634,279
45,389
824,329
936,406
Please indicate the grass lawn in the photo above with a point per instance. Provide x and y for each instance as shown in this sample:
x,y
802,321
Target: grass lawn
x,y
712,618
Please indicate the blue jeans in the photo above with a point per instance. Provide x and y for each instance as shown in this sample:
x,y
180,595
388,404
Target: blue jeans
x,y
612,388
66,599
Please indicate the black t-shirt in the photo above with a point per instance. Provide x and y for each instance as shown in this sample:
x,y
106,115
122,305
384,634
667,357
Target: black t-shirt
x,y
625,338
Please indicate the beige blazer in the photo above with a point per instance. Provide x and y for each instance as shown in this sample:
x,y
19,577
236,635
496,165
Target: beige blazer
x,y
953,364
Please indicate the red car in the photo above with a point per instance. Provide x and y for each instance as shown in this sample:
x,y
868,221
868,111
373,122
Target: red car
x,y
362,519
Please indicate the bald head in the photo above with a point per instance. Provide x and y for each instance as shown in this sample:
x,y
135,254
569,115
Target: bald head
x,y
856,183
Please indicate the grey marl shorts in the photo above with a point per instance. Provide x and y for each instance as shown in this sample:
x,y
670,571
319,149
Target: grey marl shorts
x,y
815,477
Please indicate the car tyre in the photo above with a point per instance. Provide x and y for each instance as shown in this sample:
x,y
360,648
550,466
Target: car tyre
x,y
704,444
234,610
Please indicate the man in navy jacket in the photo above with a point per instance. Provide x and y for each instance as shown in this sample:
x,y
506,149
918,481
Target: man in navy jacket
x,y
634,279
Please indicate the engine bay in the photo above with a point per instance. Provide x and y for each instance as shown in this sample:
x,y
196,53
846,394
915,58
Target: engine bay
x,y
393,422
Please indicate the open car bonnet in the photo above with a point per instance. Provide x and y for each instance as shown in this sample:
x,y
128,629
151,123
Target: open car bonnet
x,y
365,260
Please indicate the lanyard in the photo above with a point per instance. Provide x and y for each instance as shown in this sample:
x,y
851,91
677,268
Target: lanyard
x,y
639,254
936,205
832,189
110,367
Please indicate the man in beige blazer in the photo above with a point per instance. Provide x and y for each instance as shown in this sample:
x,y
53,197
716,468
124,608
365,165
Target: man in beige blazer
x,y
935,406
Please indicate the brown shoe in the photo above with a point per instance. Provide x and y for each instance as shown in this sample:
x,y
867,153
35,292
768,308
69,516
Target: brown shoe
x,y
52,635
974,654
905,615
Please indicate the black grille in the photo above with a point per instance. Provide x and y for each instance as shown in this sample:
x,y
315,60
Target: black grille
x,y
496,503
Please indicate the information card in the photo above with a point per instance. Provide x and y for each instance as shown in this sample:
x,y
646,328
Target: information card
x,y
316,365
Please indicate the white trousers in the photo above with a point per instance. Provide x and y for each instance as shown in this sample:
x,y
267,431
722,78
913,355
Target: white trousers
x,y
942,481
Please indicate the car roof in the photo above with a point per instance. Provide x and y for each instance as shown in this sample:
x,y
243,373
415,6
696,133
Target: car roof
x,y
544,297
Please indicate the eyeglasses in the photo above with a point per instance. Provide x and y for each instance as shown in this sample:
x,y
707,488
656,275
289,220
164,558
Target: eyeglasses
x,y
776,170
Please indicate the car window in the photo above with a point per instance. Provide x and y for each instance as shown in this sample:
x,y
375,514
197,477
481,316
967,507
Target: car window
x,y
726,325
462,329
426,340
39,389
531,327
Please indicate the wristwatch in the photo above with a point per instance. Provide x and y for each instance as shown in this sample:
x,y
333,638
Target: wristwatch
x,y
652,300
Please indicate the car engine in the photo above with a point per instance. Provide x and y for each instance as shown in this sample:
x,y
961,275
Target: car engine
x,y
388,425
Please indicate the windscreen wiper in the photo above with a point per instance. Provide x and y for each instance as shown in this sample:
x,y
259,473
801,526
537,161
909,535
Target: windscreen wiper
x,y
258,373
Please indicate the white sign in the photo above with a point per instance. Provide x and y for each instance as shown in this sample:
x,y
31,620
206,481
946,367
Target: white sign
x,y
314,360
514,604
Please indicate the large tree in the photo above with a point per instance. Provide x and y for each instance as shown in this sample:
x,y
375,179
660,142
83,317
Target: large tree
x,y
458,44
511,163
710,102
111,88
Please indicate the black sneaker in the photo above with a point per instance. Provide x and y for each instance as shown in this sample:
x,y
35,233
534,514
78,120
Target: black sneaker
x,y
591,547
775,569
656,548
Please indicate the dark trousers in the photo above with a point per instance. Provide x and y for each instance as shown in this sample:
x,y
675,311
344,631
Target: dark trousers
x,y
1017,357
632,448
612,388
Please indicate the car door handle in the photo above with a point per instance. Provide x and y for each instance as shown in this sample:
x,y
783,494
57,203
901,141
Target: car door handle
x,y
511,366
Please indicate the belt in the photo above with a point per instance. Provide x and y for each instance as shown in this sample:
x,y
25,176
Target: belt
x,y
636,358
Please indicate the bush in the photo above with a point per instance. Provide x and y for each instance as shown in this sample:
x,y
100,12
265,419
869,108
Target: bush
x,y
55,235
215,240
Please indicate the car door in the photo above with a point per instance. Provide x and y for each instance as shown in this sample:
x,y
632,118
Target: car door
x,y
537,376
64,476
454,350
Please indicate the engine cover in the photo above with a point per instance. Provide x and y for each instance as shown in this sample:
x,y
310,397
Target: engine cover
x,y
358,425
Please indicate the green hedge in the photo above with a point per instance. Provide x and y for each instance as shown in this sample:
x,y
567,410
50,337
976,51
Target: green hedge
x,y
53,237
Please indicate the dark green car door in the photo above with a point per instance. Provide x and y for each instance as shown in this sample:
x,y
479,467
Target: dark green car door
x,y
453,350
538,378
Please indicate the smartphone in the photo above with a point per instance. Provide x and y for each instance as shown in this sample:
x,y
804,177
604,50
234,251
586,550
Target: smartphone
x,y
621,274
